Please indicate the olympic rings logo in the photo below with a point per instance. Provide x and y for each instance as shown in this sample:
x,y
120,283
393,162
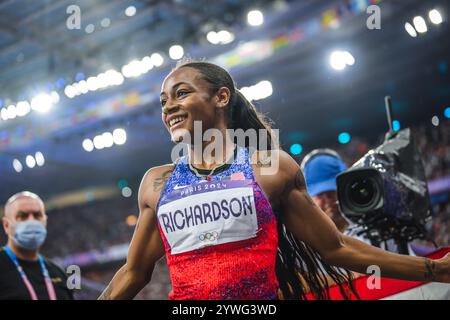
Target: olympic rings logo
x,y
208,236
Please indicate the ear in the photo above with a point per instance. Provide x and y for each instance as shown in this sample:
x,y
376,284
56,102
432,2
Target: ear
x,y
6,225
223,96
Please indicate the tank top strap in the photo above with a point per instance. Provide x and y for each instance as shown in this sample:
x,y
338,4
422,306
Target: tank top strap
x,y
242,164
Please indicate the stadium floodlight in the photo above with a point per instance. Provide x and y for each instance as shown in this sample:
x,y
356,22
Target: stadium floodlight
x,y
130,11
255,18
435,16
420,24
40,160
119,136
30,161
157,59
42,102
410,29
88,145
176,52
17,165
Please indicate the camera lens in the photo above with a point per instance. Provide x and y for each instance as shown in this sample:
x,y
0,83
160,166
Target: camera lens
x,y
362,192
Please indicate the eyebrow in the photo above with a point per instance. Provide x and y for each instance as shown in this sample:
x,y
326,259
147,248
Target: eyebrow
x,y
30,212
175,86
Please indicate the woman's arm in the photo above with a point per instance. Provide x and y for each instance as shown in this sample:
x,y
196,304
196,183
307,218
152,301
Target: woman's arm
x,y
146,246
311,225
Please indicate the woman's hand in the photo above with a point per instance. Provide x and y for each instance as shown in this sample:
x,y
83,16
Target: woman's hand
x,y
443,269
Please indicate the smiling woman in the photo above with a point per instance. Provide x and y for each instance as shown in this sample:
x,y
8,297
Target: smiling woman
x,y
262,232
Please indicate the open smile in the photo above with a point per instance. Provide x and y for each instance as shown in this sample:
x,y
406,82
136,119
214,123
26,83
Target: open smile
x,y
176,122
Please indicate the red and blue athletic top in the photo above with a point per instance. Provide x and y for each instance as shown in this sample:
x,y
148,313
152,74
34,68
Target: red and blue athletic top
x,y
220,235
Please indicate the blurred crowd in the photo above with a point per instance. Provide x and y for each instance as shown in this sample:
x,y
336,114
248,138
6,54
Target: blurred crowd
x,y
92,226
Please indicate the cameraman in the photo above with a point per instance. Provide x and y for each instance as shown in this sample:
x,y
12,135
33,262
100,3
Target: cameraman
x,y
320,167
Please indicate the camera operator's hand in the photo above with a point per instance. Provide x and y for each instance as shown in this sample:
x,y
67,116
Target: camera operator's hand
x,y
443,269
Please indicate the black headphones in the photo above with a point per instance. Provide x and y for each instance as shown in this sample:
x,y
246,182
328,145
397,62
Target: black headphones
x,y
319,152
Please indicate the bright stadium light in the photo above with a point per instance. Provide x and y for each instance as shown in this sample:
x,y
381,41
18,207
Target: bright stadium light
x,y
259,91
396,126
157,59
420,24
349,59
55,97
435,121
98,142
264,89
339,60
127,192
4,114
92,83
89,28
23,108
410,29
17,165
344,138
70,91
88,145
176,52
11,111
40,160
147,64
108,140
132,69
102,80
83,86
30,161
42,102
105,23
435,16
225,36
296,149
130,11
255,18
119,136
118,79
447,112
113,78
213,37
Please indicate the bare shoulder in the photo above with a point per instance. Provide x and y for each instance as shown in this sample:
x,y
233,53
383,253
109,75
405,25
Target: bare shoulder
x,y
280,160
153,183
292,172
275,170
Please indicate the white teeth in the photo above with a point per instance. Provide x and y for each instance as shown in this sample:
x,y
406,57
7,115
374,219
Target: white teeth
x,y
175,121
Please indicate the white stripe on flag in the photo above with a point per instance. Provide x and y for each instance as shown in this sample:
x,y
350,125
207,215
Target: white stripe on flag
x,y
429,291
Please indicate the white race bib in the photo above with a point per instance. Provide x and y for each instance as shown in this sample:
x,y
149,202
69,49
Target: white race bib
x,y
208,213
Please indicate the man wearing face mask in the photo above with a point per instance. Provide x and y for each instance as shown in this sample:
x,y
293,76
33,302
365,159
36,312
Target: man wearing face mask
x,y
24,273
320,167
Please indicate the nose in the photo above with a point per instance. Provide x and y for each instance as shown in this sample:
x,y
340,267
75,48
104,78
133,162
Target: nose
x,y
170,107
30,217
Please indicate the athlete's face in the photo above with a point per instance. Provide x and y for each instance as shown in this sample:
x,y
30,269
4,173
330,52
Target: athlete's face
x,y
185,98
